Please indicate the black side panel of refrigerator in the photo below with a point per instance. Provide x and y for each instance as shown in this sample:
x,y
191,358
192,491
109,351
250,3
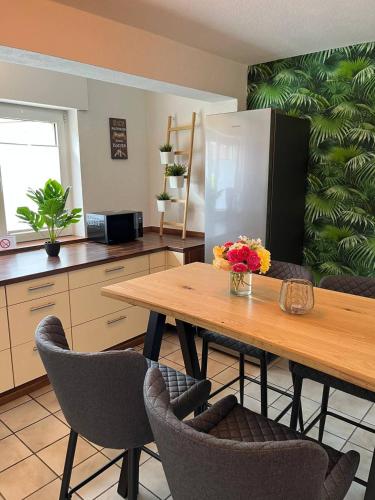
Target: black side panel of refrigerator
x,y
287,187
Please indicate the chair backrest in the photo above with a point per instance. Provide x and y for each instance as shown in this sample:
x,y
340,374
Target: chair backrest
x,y
100,394
356,285
287,270
200,466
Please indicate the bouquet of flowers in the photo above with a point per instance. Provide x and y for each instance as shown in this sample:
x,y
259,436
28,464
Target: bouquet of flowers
x,y
246,255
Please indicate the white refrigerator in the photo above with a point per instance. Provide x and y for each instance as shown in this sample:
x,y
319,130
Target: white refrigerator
x,y
255,180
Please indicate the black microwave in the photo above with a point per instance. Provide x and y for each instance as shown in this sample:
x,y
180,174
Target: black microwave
x,y
114,227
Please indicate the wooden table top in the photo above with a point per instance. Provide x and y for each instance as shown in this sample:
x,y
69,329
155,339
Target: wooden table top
x,y
21,266
336,337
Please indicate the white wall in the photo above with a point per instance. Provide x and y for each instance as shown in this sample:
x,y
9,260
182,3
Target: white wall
x,y
159,107
113,184
20,83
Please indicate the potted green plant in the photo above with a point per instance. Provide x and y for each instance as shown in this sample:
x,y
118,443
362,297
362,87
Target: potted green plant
x,y
51,213
175,174
163,201
166,154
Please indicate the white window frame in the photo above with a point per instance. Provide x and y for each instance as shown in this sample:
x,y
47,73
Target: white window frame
x,y
39,114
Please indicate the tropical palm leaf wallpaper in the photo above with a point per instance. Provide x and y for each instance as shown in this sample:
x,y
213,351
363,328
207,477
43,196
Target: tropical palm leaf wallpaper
x,y
335,90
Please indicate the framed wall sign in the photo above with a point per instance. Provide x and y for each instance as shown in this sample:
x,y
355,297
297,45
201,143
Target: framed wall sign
x,y
118,138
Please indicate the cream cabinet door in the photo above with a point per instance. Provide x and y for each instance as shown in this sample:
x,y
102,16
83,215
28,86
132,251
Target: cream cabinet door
x,y
88,303
158,259
36,288
157,269
27,364
4,332
25,317
6,372
106,332
175,259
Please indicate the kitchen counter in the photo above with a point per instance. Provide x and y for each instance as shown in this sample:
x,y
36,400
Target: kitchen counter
x,y
31,264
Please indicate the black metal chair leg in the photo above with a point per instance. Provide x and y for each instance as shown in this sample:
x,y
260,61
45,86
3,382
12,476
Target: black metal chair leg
x,y
370,489
323,412
242,378
122,488
296,404
133,473
69,459
263,386
204,358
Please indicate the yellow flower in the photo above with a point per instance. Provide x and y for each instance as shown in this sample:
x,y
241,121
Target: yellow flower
x,y
221,263
218,251
265,259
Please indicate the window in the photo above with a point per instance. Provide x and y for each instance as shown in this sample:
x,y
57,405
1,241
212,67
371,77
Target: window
x,y
32,150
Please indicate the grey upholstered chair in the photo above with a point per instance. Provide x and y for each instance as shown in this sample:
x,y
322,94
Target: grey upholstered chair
x,y
279,270
101,397
229,452
355,285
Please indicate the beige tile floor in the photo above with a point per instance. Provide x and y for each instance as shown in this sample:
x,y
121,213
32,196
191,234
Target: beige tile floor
x,y
34,435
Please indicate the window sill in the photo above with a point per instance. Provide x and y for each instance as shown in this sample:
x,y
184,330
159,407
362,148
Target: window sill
x,y
24,246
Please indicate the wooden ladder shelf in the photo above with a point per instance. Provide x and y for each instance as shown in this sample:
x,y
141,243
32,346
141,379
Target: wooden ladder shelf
x,y
189,153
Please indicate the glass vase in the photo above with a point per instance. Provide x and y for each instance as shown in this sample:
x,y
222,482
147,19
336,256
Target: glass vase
x,y
240,283
296,296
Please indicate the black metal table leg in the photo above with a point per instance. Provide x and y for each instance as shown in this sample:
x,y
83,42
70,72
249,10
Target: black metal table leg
x,y
188,348
370,490
154,335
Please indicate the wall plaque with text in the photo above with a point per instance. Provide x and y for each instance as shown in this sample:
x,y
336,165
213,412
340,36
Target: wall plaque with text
x,y
118,138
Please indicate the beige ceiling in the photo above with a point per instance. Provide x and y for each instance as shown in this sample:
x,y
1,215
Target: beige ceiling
x,y
249,31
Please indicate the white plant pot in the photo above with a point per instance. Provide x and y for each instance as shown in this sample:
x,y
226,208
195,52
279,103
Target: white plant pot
x,y
176,181
163,205
166,157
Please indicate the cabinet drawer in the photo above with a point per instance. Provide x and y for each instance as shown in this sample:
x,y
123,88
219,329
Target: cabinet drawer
x,y
88,303
34,289
110,330
96,274
175,259
27,364
4,332
24,318
3,301
157,259
6,372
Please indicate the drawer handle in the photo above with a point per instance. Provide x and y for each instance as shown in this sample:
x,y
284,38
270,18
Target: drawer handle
x,y
39,287
44,306
111,321
112,269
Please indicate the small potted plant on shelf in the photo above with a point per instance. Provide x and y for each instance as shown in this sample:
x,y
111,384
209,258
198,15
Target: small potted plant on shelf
x,y
166,154
163,201
175,174
51,213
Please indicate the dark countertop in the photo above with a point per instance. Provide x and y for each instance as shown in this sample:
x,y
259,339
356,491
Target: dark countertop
x,y
22,266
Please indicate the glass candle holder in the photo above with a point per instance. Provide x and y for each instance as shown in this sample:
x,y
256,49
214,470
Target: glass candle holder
x,y
296,296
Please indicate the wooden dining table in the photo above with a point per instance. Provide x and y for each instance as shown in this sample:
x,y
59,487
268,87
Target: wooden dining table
x,y
336,337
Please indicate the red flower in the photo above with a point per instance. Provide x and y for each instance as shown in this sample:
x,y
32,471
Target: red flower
x,y
240,268
228,244
243,253
233,256
253,260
